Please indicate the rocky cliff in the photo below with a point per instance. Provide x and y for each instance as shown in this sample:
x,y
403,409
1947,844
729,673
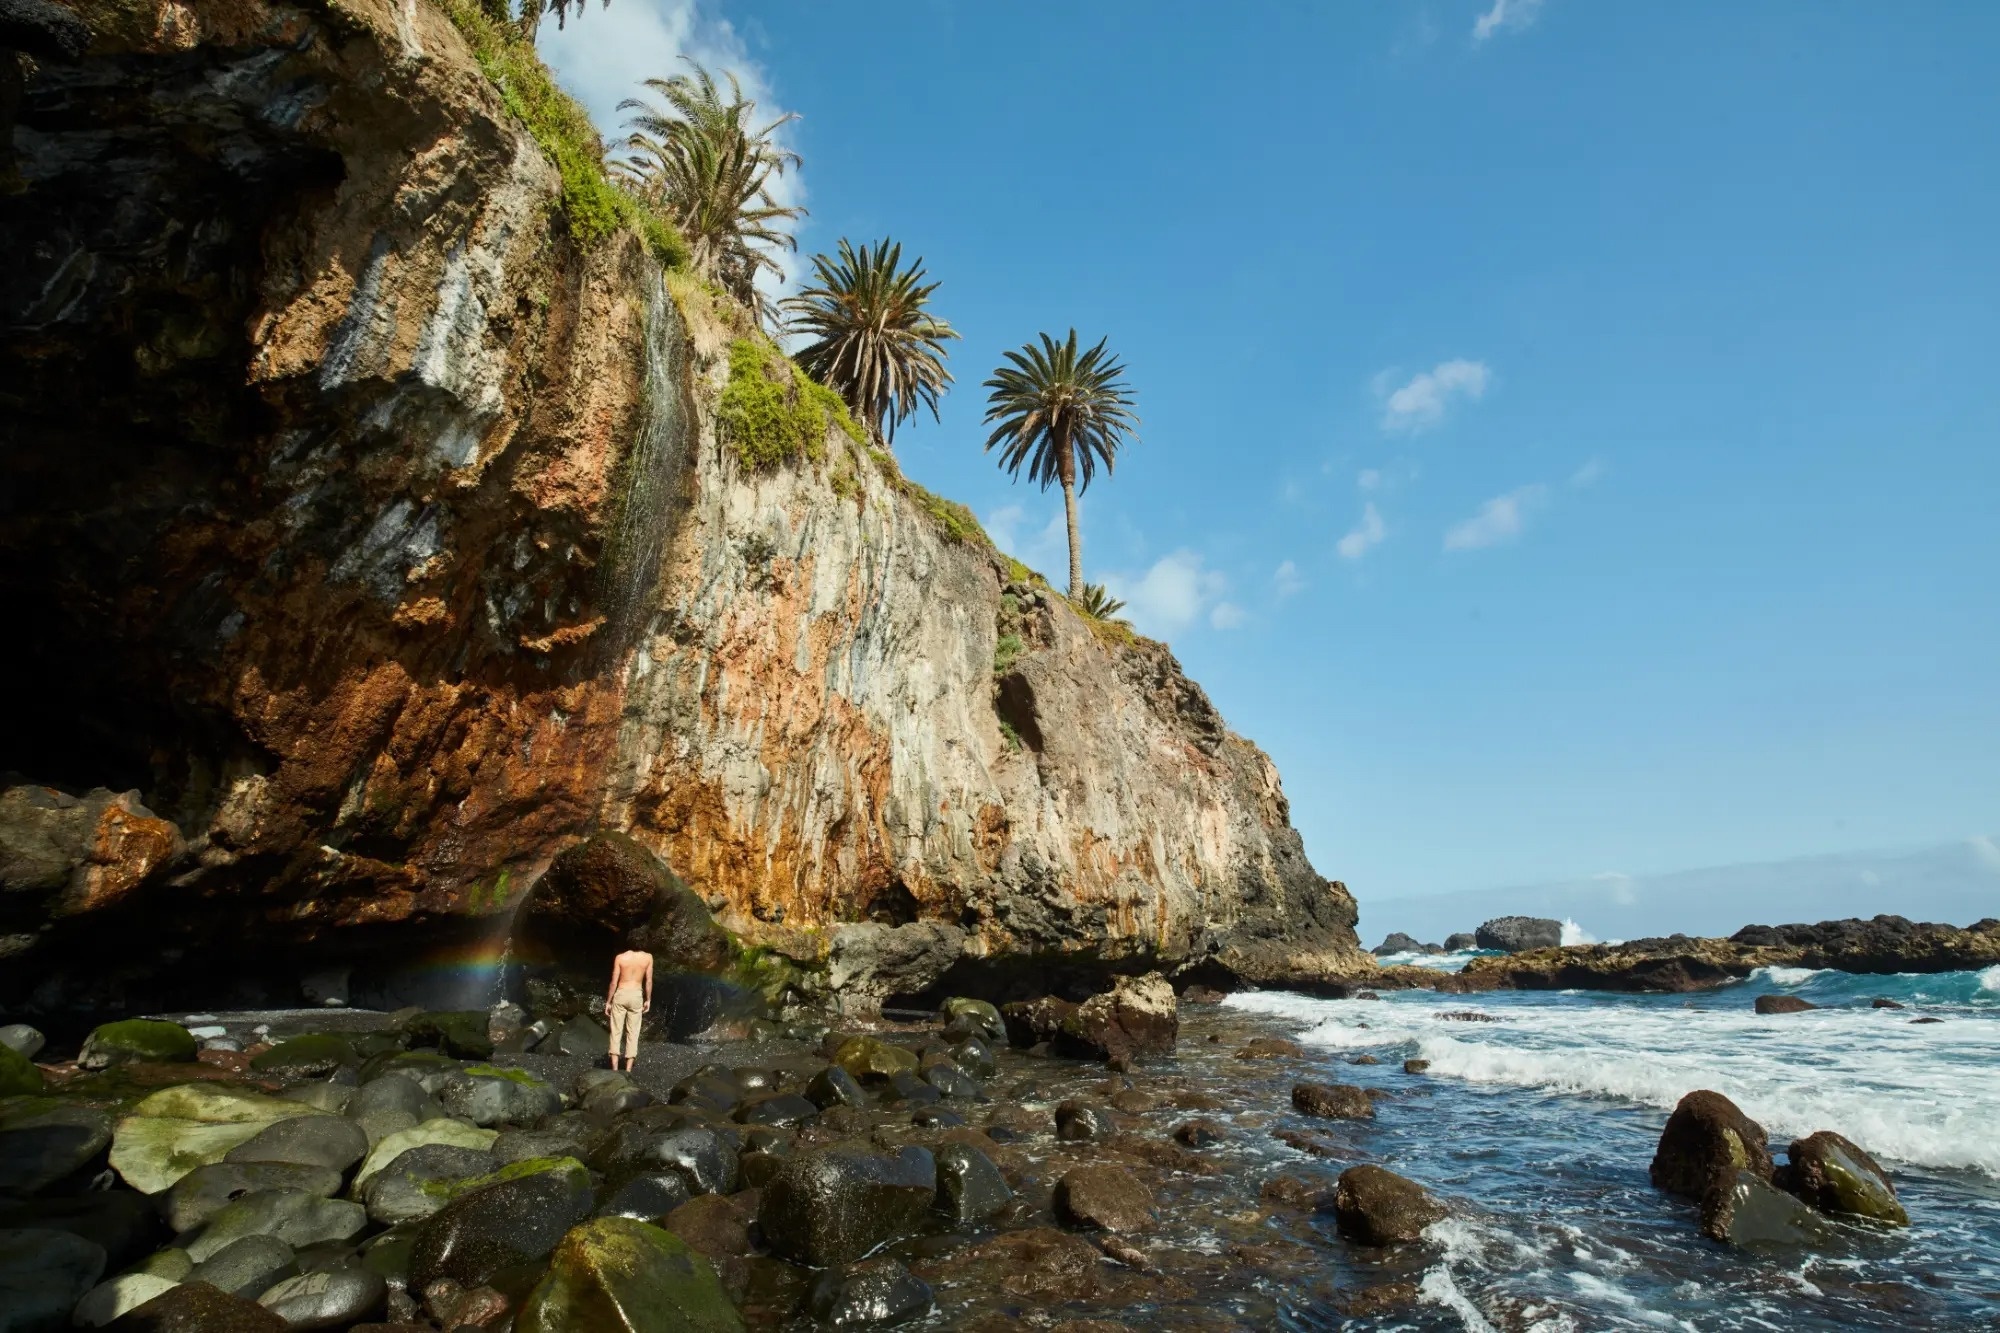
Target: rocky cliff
x,y
368,525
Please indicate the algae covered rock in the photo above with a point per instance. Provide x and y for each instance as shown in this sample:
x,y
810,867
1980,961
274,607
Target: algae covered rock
x,y
19,1075
178,1129
312,1056
421,1181
461,1035
1748,1210
450,1132
1834,1175
107,1300
1707,1140
621,1275
331,1141
206,1190
292,1216
1332,1101
487,1230
872,1059
135,1040
488,1095
1374,1206
836,1203
965,1017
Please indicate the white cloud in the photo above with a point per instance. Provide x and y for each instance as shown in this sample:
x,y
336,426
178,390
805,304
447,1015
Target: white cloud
x,y
1498,520
1505,15
1420,404
1369,479
1367,533
603,53
1587,475
1287,579
1175,592
1043,549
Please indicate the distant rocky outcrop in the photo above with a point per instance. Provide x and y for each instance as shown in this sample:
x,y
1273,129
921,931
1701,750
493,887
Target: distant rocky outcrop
x,y
1678,963
1518,934
1460,941
1398,942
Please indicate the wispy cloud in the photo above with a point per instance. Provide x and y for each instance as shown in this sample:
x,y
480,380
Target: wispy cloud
x,y
603,55
1587,475
1500,519
1369,479
1368,533
1287,580
1040,548
1421,403
1505,16
1175,592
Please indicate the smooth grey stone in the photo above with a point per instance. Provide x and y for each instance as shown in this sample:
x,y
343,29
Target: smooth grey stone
x,y
563,1136
107,1300
877,1293
171,1263
321,1095
124,1223
22,1039
648,1196
416,1184
970,1187
43,1274
334,1298
330,1141
952,1082
389,1092
41,1142
207,1190
247,1265
292,1216
487,1099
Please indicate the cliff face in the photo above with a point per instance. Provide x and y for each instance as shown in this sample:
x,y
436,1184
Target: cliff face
x,y
381,537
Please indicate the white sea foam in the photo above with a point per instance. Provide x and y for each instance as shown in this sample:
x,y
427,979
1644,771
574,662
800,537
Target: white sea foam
x,y
1989,980
1785,976
1575,934
1920,1094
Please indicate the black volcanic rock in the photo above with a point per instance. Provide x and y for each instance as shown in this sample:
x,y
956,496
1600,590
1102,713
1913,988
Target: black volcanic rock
x,y
1518,934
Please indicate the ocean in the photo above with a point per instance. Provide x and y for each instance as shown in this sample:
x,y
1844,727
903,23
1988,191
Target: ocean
x,y
1539,1126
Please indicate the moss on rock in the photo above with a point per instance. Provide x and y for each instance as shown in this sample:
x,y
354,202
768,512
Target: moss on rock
x,y
137,1039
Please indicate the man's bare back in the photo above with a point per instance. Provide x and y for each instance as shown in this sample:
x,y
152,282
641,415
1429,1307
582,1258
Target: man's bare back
x,y
629,995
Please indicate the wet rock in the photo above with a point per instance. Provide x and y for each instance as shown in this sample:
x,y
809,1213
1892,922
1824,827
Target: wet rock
x,y
560,1136
481,1233
1332,1101
776,1108
1373,1206
1836,1176
1040,1264
712,1225
1104,1198
1300,1192
43,1140
293,1217
970,1187
1270,1048
1707,1140
487,1095
19,1076
1200,1132
646,1196
1031,1022
326,1096
206,1190
108,1300
878,1293
124,1224
247,1265
836,1203
869,1059
23,1040
1460,941
332,1298
314,1055
972,1018
1748,1210
579,1036
1136,1019
906,1089
1160,1153
1518,934
953,1082
701,1156
1381,1300
1311,1144
393,1093
1397,942
615,1275
177,1129
460,1035
707,1089
448,1132
1416,1066
197,1307
607,1094
1782,1004
1081,1121
43,1274
330,1141
1203,995
421,1181
137,1039
975,1057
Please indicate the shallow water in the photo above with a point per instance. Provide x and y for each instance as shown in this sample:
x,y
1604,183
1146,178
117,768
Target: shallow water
x,y
1541,1125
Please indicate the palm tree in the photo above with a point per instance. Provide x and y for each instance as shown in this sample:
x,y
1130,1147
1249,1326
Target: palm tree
x,y
874,342
698,156
1097,603
1060,412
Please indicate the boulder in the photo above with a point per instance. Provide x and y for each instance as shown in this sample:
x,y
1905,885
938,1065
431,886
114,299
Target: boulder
x,y
489,1095
23,1040
1461,941
870,1059
421,1181
329,1298
953,1082
1706,1142
872,961
449,1132
876,1293
975,1057
196,1307
64,855
247,1265
43,1274
328,1096
135,1040
1137,1018
292,1216
1782,1004
617,1275
107,1300
1270,1048
19,1076
1518,934
965,1017
1836,1176
177,1129
835,1204
479,1234
1416,1066
43,1140
331,1141
124,1224
460,1035
206,1190
1104,1198
1374,1206
1332,1101
1200,1132
834,1086
1749,1211
970,1187
314,1055
1032,1022
568,1135
1080,1121
711,1225
649,1196
1397,942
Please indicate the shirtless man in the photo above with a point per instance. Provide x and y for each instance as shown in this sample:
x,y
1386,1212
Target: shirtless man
x,y
630,995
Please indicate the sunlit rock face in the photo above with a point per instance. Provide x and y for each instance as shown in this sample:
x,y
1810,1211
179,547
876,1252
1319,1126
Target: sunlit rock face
x,y
380,537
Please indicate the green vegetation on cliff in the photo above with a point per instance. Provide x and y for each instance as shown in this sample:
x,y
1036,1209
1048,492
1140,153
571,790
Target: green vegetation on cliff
x,y
772,413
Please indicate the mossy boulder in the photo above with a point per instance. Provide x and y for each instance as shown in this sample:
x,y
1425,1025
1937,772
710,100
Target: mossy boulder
x,y
195,1124
460,1034
1707,1140
429,1070
622,1275
314,1055
19,1076
1374,1206
452,1133
487,1095
965,1017
872,1059
1834,1175
136,1040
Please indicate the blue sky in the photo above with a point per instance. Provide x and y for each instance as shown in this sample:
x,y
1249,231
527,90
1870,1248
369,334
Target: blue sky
x,y
1570,429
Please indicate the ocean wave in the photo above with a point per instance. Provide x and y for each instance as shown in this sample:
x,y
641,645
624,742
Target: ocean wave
x,y
1785,976
1989,980
1575,934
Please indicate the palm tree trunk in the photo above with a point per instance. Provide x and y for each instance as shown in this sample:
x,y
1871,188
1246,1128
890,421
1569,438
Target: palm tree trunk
x,y
1075,538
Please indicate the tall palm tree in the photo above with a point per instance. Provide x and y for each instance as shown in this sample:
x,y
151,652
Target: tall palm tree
x,y
1061,413
874,343
698,155
1098,603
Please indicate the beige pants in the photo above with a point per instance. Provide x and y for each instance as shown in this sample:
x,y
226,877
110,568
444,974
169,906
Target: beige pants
x,y
627,1007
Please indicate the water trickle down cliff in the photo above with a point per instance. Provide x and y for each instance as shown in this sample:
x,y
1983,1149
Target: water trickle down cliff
x,y
406,551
